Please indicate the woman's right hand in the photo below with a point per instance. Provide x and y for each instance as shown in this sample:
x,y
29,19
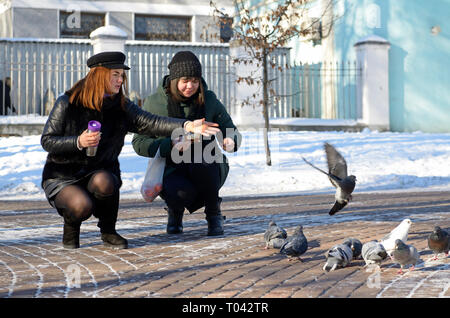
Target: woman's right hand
x,y
200,126
89,139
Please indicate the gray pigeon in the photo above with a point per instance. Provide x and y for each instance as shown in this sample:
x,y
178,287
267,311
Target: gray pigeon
x,y
337,173
439,241
338,256
275,236
355,246
295,245
404,254
373,252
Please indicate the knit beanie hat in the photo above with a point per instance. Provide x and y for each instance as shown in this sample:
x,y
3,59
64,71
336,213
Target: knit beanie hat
x,y
184,64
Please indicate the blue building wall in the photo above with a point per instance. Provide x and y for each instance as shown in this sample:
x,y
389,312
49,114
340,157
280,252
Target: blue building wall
x,y
419,61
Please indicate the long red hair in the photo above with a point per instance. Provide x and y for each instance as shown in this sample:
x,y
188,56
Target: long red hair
x,y
90,91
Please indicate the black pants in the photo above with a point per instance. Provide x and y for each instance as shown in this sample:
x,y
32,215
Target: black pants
x,y
191,186
96,195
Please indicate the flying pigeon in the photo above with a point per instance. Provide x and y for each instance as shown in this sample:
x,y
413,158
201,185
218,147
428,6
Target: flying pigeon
x,y
355,246
439,242
404,254
295,245
373,252
338,256
400,232
337,173
275,236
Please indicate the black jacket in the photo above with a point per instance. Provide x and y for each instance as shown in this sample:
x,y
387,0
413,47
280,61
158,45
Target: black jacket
x,y
66,163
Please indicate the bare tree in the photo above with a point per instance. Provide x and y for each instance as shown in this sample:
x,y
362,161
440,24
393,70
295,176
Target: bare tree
x,y
261,34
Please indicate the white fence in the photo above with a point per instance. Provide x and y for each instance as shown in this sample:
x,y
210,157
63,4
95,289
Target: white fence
x,y
40,70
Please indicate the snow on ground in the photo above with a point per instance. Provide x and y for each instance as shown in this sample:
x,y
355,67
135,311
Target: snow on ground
x,y
381,162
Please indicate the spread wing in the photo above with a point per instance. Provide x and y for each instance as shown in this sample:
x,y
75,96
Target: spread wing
x,y
336,163
314,166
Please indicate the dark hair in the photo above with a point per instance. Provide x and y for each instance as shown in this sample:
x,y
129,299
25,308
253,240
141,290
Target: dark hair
x,y
199,96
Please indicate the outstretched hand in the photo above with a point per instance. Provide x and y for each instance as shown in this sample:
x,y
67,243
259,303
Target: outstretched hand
x,y
200,126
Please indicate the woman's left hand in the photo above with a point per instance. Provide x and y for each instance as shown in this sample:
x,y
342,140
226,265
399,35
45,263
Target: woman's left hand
x,y
228,144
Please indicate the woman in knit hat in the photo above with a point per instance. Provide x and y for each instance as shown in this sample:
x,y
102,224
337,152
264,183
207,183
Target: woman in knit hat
x,y
193,181
77,184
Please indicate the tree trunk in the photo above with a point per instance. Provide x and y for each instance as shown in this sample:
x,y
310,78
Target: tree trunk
x,y
266,108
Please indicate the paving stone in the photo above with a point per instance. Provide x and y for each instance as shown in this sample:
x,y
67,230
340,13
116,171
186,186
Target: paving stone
x,y
234,265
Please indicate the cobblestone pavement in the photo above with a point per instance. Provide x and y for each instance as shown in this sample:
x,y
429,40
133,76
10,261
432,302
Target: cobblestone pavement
x,y
34,264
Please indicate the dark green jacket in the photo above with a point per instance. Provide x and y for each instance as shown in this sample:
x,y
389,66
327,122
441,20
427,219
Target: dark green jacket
x,y
214,112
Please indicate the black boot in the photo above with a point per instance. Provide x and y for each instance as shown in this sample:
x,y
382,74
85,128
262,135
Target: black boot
x,y
110,238
114,240
106,210
71,235
174,221
215,219
215,224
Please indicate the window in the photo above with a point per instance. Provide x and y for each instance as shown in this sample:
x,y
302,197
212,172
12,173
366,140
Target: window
x,y
162,28
79,24
226,30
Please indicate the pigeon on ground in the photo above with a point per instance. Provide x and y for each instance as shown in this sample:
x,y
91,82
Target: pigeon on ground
x,y
400,232
439,242
338,256
355,245
295,245
404,254
337,173
275,236
373,252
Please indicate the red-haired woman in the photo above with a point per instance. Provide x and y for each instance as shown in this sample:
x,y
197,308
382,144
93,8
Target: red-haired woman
x,y
78,185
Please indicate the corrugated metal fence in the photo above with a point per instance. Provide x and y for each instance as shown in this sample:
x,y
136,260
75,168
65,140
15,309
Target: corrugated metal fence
x,y
40,70
37,71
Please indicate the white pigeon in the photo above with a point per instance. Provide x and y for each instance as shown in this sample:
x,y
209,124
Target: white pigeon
x,y
399,233
338,256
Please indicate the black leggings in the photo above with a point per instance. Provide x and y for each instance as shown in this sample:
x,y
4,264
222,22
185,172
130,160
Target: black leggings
x,y
190,184
97,195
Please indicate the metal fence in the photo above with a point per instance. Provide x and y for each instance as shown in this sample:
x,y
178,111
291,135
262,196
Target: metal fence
x,y
38,71
35,72
325,90
149,65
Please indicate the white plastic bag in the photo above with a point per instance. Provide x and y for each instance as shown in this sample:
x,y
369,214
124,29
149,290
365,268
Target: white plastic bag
x,y
152,185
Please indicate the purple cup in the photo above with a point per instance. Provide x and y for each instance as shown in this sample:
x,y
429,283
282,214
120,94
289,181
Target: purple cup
x,y
94,126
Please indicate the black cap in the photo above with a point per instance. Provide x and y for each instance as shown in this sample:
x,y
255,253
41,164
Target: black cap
x,y
112,60
184,64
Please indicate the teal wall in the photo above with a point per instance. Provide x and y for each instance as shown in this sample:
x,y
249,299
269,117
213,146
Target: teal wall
x,y
419,62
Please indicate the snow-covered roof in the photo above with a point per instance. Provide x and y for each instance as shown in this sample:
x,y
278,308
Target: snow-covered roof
x,y
143,7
